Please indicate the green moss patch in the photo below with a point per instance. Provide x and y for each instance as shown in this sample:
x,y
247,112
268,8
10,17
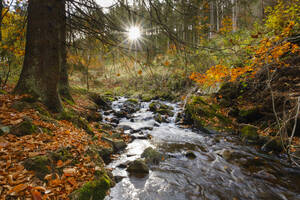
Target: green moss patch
x,y
39,165
94,190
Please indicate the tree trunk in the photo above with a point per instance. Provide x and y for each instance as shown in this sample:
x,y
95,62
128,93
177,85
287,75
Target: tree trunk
x,y
1,9
64,87
41,68
234,15
211,19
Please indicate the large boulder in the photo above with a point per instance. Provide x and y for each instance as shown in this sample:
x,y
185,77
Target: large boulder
x,y
138,166
93,190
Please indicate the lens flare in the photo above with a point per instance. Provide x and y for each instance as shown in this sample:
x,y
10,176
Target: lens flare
x,y
134,33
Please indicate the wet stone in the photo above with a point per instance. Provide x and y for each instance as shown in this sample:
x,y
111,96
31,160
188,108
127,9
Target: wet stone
x,y
190,155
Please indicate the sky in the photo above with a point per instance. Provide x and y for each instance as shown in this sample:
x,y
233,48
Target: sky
x,y
105,3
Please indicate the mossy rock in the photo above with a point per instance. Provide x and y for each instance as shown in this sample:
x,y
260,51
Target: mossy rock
x,y
103,152
161,108
249,115
135,101
94,116
153,106
249,133
75,118
100,101
138,166
39,165
117,144
26,127
165,112
93,190
201,114
152,156
147,98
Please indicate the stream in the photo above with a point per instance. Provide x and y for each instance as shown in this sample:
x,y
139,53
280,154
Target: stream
x,y
223,167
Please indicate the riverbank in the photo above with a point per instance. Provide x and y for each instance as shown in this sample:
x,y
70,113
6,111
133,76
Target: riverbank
x,y
55,156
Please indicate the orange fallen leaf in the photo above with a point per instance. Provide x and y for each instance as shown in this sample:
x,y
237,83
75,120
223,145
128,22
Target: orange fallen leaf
x,y
18,188
59,163
36,195
72,181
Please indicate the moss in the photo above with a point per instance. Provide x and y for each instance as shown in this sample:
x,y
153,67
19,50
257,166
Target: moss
x,y
3,92
68,101
147,98
135,101
203,115
152,107
39,165
66,115
152,156
24,128
165,112
94,190
138,166
62,154
249,132
41,109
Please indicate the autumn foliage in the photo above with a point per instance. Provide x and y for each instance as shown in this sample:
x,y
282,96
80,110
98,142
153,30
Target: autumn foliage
x,y
64,176
269,49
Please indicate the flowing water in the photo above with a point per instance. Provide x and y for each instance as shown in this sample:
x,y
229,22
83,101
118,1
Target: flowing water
x,y
224,168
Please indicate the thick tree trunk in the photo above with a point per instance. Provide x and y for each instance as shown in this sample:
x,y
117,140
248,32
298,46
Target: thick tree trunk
x,y
41,68
64,87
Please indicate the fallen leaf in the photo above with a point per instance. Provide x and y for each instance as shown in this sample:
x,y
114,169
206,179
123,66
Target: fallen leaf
x,y
72,181
36,195
59,163
18,188
69,171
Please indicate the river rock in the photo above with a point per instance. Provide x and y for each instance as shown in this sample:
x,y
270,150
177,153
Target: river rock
x,y
131,106
117,144
100,101
119,178
152,156
138,166
190,155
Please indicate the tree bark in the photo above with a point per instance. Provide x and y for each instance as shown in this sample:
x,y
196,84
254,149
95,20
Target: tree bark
x,y
1,9
211,19
41,69
64,87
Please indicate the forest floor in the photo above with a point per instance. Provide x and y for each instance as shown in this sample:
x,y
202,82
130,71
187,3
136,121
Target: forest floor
x,y
44,156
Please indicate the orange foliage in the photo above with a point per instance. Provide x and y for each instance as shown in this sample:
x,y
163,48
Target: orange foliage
x,y
19,182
